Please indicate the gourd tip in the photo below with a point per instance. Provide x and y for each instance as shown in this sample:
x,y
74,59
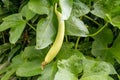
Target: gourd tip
x,y
43,64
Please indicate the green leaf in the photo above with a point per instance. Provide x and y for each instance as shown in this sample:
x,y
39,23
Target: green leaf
x,y
67,51
27,13
92,67
100,47
97,70
31,53
115,21
34,57
17,61
115,49
49,72
17,25
66,7
45,32
11,21
64,74
27,70
76,27
16,32
69,69
39,6
97,77
79,9
108,10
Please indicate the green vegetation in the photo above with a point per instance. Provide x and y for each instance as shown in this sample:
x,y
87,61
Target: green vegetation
x,y
29,29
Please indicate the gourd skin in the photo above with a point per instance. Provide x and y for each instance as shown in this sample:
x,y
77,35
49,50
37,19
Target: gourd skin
x,y
58,41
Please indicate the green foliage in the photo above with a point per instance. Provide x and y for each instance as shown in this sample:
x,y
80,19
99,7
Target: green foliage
x,y
75,27
79,9
45,31
97,70
108,10
90,50
27,13
66,8
69,68
115,49
100,47
39,6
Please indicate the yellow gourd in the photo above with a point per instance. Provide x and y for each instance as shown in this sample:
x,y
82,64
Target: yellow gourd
x,y
58,41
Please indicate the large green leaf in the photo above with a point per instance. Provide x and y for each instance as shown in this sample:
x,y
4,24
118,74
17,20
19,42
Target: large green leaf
x,y
45,31
66,7
27,13
11,21
108,10
30,53
29,68
100,47
92,67
76,27
17,25
79,9
69,69
39,6
16,32
97,70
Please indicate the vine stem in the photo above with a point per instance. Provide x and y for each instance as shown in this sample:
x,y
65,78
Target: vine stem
x,y
76,45
91,35
30,25
92,20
